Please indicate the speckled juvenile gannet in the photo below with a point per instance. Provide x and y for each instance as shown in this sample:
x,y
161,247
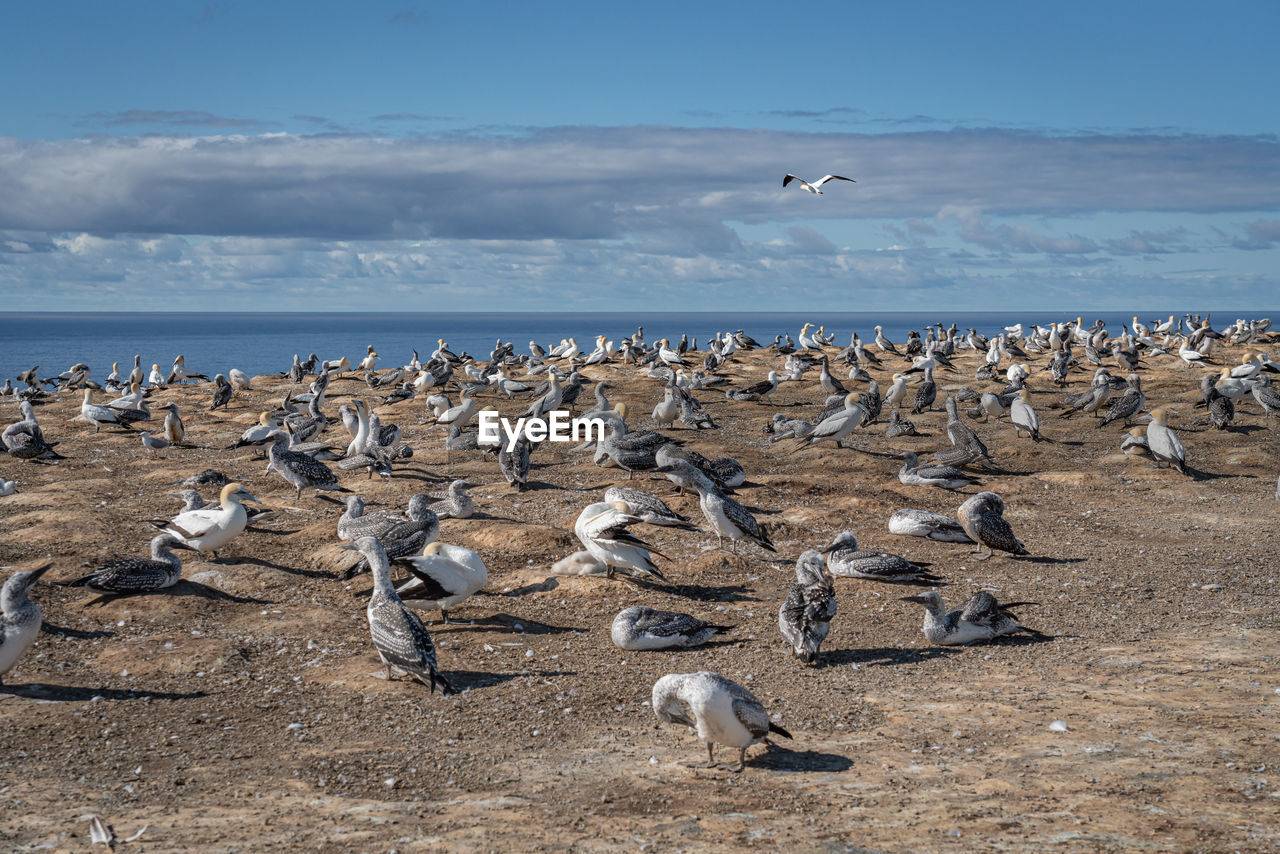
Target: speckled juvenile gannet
x,y
399,635
651,509
643,628
924,523
913,473
720,710
208,529
126,575
407,536
602,530
846,560
981,619
805,615
814,187
444,576
20,618
456,503
982,518
298,469
726,517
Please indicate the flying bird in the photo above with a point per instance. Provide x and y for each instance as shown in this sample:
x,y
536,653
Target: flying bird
x,y
813,188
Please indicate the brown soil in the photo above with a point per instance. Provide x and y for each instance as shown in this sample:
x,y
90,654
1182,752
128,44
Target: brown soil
x,y
245,715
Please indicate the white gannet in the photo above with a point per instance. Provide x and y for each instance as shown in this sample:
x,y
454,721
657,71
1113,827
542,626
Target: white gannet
x,y
1163,443
20,618
642,628
814,187
1135,443
579,563
155,379
804,617
180,373
369,362
402,641
924,523
1024,418
444,576
97,415
720,710
240,379
982,518
846,560
837,426
208,529
602,529
981,619
461,414
124,575
667,355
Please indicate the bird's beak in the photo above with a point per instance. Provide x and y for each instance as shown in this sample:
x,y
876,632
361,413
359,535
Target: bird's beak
x,y
348,547
39,571
919,600
246,496
179,544
663,468
828,550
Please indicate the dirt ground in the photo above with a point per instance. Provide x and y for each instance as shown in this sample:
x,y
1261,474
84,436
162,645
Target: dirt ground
x,y
242,712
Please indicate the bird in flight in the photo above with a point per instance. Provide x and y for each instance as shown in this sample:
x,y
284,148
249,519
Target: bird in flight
x,y
813,188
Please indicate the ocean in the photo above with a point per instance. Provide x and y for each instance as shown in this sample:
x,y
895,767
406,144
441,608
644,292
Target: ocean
x,y
265,343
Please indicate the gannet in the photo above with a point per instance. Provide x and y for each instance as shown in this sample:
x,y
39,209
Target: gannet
x,y
369,362
897,391
669,356
982,518
1135,443
298,469
405,537
642,628
924,523
981,619
354,523
1266,395
719,710
649,508
846,560
926,394
755,391
805,615
456,504
399,635
126,575
180,373
175,432
240,379
836,427
513,463
602,529
155,379
899,426
667,410
579,563
24,439
444,576
814,187
726,517
20,618
913,473
221,393
460,414
1124,408
1163,443
727,472
97,415
1024,418
208,529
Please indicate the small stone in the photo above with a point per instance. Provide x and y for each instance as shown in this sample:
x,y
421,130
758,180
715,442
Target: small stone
x,y
1058,726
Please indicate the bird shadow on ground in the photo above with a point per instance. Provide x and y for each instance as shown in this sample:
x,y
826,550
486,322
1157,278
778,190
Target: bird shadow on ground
x,y
80,634
715,593
182,588
331,500
1035,559
465,680
779,758
883,656
266,564
507,623
1022,639
76,694
277,532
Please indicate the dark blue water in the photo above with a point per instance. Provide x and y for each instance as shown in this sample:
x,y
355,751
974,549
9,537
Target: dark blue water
x,y
264,343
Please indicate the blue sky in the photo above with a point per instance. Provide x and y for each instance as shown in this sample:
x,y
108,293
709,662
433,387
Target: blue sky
x,y
597,156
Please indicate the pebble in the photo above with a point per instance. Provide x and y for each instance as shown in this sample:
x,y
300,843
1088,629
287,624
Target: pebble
x,y
1058,726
